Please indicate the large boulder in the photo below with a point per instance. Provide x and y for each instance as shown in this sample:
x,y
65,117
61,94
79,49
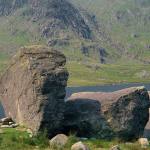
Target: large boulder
x,y
32,89
147,128
121,114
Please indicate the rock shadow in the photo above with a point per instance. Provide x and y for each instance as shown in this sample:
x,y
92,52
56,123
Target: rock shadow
x,y
85,118
2,111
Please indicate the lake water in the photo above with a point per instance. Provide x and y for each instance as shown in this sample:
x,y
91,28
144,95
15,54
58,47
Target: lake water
x,y
103,88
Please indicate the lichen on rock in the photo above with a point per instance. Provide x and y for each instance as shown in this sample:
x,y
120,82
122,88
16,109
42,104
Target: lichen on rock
x,y
33,88
122,114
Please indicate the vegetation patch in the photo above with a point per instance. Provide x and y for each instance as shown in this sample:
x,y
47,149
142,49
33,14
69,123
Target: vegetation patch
x,y
131,72
15,139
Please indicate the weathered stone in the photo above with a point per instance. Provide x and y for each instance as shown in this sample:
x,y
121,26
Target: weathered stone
x,y
10,123
143,142
79,146
14,125
6,121
122,114
59,141
147,128
32,89
6,126
116,147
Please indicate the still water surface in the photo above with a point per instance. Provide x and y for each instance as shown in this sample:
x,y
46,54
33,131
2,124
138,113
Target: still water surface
x,y
103,88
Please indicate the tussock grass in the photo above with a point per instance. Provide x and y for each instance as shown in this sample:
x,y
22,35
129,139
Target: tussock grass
x,y
13,139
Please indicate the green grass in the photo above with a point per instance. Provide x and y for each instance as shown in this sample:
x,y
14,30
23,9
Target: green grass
x,y
89,74
130,72
18,139
13,139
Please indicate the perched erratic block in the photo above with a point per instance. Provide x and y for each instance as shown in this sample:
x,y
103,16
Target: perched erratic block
x,y
32,89
122,114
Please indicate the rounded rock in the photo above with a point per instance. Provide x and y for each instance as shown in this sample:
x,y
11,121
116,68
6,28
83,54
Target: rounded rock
x,y
116,147
143,142
79,146
59,140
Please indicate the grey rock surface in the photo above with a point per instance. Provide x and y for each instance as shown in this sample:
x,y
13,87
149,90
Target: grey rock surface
x,y
32,89
122,114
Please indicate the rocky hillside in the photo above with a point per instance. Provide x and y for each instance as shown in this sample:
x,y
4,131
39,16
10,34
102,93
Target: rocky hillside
x,y
7,6
87,27
89,33
98,30
127,22
60,14
58,23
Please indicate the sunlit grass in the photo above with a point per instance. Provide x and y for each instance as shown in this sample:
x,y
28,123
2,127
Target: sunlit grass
x,y
14,139
80,74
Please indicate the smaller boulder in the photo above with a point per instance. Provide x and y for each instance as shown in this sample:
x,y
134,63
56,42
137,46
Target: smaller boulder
x,y
15,125
143,142
79,146
59,140
6,126
6,121
122,114
116,147
10,123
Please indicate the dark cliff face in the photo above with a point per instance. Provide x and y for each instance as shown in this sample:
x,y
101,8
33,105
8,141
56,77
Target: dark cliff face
x,y
58,22
8,6
60,14
60,11
143,3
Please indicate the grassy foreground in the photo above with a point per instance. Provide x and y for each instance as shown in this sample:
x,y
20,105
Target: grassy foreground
x,y
15,139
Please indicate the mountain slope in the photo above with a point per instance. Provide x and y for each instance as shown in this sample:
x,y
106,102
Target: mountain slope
x,y
57,22
127,22
57,11
97,36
